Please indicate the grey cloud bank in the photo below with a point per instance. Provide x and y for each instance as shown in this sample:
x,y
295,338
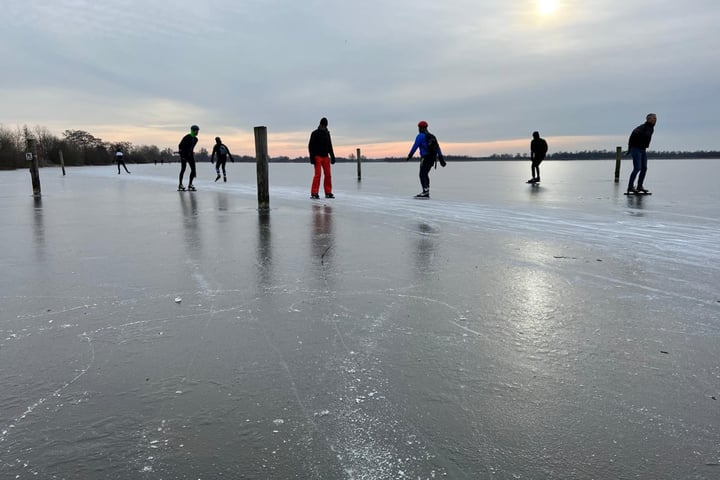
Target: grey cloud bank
x,y
477,71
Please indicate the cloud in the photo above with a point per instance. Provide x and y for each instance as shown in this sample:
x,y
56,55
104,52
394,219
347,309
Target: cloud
x,y
479,72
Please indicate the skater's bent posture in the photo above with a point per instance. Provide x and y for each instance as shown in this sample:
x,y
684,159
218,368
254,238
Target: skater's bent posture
x,y
120,161
538,149
638,144
186,147
223,153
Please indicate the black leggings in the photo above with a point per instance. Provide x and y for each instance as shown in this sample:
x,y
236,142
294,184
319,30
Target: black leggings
x,y
426,163
535,166
220,162
183,162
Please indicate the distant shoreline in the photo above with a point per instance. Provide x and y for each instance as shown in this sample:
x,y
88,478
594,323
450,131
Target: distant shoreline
x,y
388,160
450,158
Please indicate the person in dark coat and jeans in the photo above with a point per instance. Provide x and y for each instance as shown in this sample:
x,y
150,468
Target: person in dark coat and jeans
x,y
186,147
638,144
321,157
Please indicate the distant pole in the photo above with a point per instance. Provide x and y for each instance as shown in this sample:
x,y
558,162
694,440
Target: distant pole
x,y
261,159
31,155
618,156
359,162
62,163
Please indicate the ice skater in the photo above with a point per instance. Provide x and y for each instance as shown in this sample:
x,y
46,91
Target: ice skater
x,y
321,157
223,153
119,160
430,153
638,144
538,150
187,156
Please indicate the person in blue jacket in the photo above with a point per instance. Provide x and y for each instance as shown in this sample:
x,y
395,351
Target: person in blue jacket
x,y
430,153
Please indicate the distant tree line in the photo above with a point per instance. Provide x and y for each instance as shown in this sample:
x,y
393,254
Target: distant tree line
x,y
582,155
77,146
610,154
81,148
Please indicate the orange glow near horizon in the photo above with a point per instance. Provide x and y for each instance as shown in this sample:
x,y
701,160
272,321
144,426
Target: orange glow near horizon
x,y
294,144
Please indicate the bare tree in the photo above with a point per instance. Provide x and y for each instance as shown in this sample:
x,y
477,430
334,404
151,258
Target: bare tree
x,y
82,139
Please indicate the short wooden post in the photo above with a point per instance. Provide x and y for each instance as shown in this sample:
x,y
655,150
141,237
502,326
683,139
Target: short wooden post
x,y
618,157
31,155
358,163
261,159
62,163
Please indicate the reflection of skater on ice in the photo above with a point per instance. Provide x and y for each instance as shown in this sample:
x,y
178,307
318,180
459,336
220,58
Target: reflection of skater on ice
x,y
223,153
322,232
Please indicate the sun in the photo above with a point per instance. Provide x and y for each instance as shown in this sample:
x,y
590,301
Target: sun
x,y
546,7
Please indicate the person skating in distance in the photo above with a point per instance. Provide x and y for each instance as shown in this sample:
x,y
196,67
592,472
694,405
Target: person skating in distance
x,y
119,158
538,150
223,153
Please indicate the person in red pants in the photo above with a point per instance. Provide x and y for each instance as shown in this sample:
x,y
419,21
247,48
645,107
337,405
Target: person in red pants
x,y
321,157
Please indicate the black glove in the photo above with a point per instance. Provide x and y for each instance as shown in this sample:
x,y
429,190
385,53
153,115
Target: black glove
x,y
312,160
232,159
442,162
408,158
332,161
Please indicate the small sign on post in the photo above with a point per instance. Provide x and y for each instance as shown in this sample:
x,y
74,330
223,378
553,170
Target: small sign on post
x,y
34,167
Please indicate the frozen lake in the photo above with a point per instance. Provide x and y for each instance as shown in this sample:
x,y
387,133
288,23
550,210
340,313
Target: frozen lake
x,y
496,331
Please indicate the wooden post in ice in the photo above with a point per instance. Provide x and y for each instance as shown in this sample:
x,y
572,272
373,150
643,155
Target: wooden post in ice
x,y
261,159
31,156
358,163
62,163
618,156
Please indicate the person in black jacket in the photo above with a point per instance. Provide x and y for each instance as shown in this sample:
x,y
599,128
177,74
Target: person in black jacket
x,y
186,147
538,150
638,144
222,152
321,156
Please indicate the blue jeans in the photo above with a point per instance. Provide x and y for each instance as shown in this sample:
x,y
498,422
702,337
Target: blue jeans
x,y
639,157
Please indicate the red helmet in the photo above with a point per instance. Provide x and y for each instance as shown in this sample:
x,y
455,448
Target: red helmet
x,y
422,124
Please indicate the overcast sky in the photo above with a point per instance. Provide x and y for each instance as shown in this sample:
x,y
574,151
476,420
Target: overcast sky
x,y
483,73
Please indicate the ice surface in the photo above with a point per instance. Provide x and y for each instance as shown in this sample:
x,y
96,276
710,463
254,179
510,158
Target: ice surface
x,y
497,330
